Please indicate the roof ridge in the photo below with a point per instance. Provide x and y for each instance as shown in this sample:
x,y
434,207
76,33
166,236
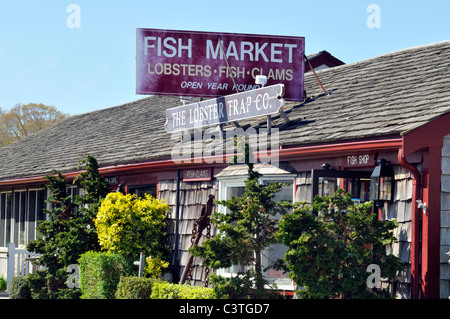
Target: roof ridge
x,y
388,54
118,105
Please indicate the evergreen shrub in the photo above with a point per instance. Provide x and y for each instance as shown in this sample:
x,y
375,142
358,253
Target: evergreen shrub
x,y
100,273
18,288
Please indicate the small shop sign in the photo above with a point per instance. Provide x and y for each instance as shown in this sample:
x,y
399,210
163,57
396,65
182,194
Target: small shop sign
x,y
195,175
264,101
358,160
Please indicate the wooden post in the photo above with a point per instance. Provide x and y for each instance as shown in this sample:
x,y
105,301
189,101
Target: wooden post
x,y
140,263
11,264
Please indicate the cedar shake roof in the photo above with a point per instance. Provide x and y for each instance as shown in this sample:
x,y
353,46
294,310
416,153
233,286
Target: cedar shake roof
x,y
388,95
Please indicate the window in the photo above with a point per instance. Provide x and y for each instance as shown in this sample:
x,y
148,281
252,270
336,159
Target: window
x,y
141,190
72,191
235,187
36,214
326,182
5,218
19,217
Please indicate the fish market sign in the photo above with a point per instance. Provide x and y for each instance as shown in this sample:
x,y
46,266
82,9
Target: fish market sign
x,y
264,101
211,64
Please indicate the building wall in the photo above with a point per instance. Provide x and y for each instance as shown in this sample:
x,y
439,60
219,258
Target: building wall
x,y
401,210
193,196
445,220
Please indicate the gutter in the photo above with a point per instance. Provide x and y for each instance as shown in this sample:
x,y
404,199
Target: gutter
x,y
337,148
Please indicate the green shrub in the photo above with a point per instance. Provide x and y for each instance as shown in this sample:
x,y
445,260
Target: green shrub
x,y
100,273
3,283
134,288
165,290
37,282
328,252
18,288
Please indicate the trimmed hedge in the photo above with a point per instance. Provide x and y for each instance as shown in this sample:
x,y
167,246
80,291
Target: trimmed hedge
x,y
18,288
100,273
134,288
165,290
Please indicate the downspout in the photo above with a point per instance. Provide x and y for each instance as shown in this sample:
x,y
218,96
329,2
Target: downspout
x,y
415,223
176,275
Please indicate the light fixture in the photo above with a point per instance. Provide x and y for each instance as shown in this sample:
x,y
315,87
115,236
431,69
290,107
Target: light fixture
x,y
261,80
381,183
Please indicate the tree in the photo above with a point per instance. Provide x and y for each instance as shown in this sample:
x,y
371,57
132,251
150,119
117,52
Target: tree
x,y
95,190
24,120
69,232
331,245
244,232
52,241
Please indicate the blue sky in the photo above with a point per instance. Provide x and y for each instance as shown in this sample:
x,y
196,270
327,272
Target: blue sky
x,y
83,69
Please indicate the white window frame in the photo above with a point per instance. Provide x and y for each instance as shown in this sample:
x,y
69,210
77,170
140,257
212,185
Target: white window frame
x,y
22,192
11,225
35,210
239,181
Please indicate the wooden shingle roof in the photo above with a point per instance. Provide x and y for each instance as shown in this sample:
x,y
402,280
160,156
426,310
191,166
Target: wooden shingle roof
x,y
388,95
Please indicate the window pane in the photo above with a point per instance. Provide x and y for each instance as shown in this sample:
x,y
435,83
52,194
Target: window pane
x,y
22,211
2,219
40,216
235,191
140,191
31,215
277,251
327,186
8,219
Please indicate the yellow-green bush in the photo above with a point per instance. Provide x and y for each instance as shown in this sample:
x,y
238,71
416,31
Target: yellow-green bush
x,y
154,267
128,225
165,290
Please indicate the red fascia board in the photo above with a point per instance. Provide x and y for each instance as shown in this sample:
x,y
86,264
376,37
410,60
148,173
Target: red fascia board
x,y
426,135
341,148
284,154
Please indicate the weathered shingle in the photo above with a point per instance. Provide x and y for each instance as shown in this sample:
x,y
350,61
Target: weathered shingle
x,y
383,96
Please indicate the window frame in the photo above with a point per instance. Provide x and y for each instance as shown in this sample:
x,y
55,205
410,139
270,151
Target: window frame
x,y
346,174
33,220
225,184
4,210
133,188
